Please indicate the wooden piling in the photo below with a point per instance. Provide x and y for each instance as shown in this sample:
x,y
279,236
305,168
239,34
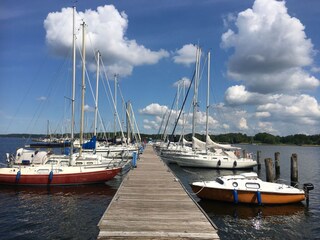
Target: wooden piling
x,y
269,170
258,160
277,164
294,169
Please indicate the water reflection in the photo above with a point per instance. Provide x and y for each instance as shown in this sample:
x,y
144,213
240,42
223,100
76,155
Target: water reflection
x,y
245,211
96,189
56,212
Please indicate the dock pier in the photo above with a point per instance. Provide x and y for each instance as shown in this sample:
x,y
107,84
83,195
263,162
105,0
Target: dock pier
x,y
151,203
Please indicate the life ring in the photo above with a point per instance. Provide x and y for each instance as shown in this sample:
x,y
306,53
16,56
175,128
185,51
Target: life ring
x,y
234,163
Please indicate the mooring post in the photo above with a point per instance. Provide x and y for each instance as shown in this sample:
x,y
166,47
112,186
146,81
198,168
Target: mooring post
x,y
277,164
258,160
294,169
269,169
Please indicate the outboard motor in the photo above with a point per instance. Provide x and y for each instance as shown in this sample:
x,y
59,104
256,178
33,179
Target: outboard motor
x,y
307,187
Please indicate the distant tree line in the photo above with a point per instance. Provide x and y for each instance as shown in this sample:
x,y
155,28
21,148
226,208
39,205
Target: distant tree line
x,y
233,138
259,138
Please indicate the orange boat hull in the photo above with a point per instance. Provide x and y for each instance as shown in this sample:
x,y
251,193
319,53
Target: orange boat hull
x,y
247,196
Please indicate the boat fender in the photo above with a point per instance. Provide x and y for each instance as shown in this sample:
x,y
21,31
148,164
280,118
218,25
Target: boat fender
x,y
219,162
234,163
259,197
134,159
50,176
235,196
18,176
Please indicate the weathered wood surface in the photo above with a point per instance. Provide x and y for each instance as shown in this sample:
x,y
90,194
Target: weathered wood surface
x,y
152,204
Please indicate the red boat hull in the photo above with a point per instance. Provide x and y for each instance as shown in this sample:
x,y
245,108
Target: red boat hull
x,y
60,179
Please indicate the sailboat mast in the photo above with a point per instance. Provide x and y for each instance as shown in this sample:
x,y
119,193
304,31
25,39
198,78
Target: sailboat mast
x,y
83,87
115,110
195,96
73,80
208,102
97,95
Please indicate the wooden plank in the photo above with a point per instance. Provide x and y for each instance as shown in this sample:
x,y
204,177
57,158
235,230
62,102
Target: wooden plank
x,y
152,204
157,235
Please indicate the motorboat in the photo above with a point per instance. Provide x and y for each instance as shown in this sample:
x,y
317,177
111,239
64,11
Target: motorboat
x,y
248,188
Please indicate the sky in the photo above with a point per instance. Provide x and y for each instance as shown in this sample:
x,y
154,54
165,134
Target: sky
x,y
264,68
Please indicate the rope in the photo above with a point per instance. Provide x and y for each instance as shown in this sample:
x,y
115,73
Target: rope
x,y
191,193
200,189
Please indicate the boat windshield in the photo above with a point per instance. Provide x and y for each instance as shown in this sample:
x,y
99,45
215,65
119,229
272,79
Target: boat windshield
x,y
219,180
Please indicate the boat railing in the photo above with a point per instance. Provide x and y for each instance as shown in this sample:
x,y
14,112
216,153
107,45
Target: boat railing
x,y
285,182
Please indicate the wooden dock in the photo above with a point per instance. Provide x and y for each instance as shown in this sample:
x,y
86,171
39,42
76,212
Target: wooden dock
x,y
152,204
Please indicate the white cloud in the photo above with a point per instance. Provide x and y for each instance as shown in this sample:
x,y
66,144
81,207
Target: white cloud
x,y
154,109
262,114
150,125
238,95
183,82
242,125
87,108
147,127
301,109
267,127
315,69
271,56
42,98
229,19
186,55
106,32
271,48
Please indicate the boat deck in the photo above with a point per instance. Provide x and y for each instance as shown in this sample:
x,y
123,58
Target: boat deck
x,y
152,204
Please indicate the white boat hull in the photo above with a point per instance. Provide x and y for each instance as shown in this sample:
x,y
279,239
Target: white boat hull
x,y
210,161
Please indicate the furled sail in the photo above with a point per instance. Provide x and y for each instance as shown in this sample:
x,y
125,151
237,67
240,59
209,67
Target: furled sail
x,y
212,144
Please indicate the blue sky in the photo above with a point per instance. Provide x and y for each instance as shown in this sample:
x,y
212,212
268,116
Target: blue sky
x,y
264,63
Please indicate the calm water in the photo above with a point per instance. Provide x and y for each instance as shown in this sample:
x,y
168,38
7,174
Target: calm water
x,y
74,212
294,221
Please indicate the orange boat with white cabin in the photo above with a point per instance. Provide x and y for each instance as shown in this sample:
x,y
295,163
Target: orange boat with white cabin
x,y
248,188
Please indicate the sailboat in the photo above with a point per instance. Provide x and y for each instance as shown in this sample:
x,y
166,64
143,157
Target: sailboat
x,y
63,170
104,149
208,154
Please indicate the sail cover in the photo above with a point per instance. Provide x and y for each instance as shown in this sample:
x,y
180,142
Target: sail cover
x,y
91,144
218,145
198,144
